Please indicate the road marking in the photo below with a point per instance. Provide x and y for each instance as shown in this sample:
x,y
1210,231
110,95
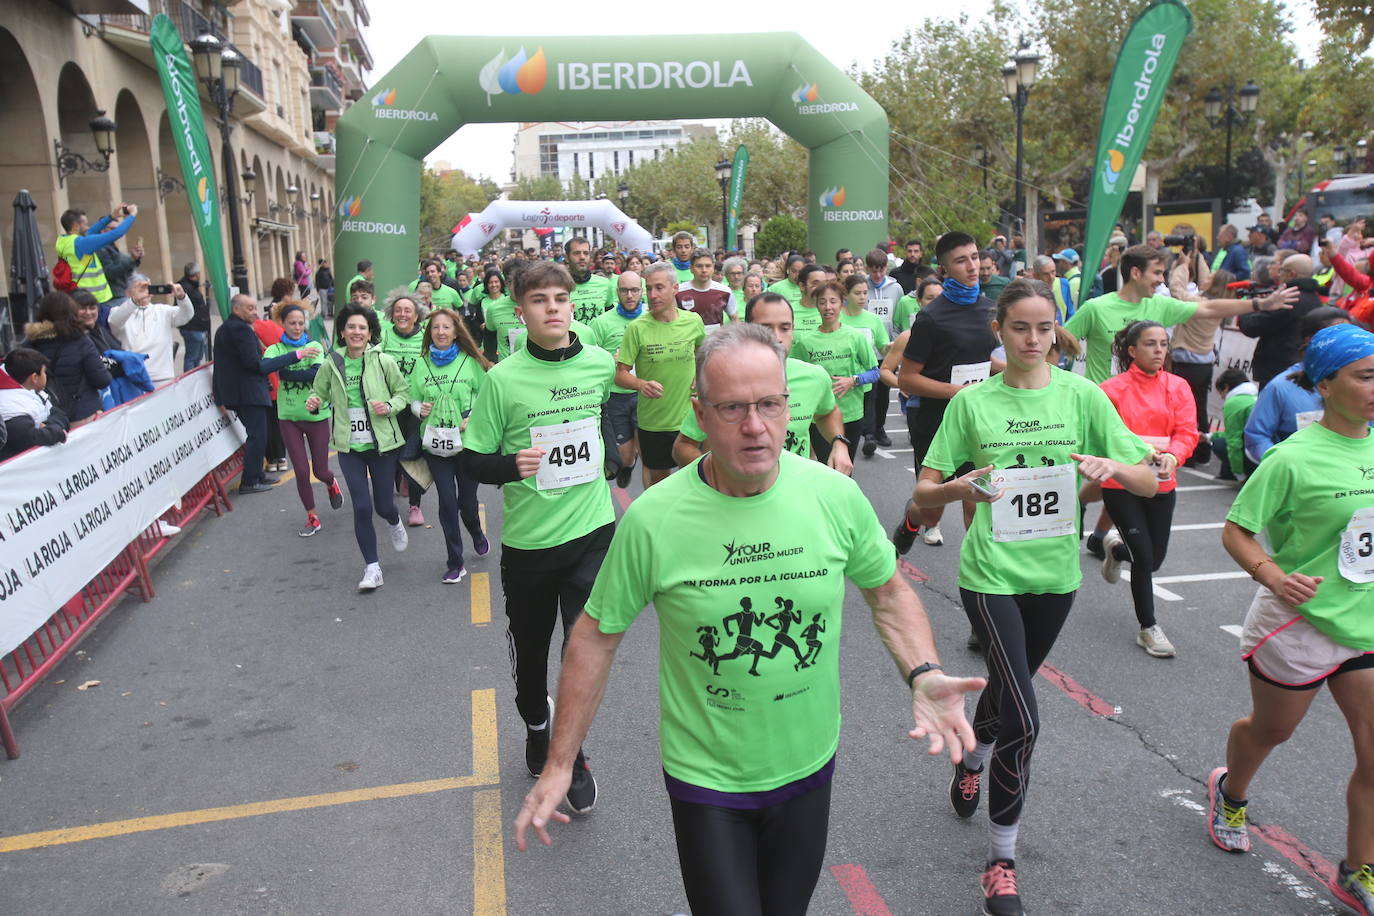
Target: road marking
x,y
486,771
1232,628
1160,592
1206,486
1200,526
863,896
622,496
1078,693
1205,577
481,598
1196,473
488,856
482,515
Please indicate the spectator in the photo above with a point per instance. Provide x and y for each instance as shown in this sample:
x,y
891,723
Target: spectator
x,y
269,331
80,241
195,332
1066,291
78,371
1231,255
905,273
1278,331
240,385
119,267
1109,278
28,413
1002,256
1353,246
1266,224
146,326
301,272
1358,302
1299,236
1155,239
1284,406
324,285
1327,229
1259,244
88,313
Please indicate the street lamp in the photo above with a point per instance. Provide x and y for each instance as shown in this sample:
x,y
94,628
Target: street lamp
x,y
70,162
623,192
1232,116
217,66
723,179
981,152
1018,76
1347,160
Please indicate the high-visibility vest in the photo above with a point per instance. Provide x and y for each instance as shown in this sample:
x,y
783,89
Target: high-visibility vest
x,y
86,272
1064,294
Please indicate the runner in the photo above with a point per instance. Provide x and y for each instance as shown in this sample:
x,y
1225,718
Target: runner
x,y
857,316
606,332
443,386
364,389
536,431
1158,407
789,287
498,308
713,302
810,395
1309,623
296,359
1024,436
655,359
748,778
805,317
847,358
594,293
950,346
1238,395
684,243
403,339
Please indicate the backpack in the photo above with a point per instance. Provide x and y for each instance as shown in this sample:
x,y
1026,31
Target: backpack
x,y
62,276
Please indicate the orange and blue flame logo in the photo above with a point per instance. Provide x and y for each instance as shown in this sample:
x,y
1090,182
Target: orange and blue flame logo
x,y
1111,169
350,207
386,97
523,74
203,191
833,197
806,93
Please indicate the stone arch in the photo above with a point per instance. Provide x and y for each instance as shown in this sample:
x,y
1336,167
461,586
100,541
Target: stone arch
x,y
76,106
138,185
26,155
182,243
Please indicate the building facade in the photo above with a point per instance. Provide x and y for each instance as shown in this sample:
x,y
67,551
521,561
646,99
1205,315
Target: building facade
x,y
569,150
67,60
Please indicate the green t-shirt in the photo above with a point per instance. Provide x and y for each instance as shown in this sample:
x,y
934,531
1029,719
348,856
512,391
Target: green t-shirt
x,y
1304,495
460,380
873,330
663,352
842,352
607,329
446,297
808,395
353,384
1235,410
993,288
1098,320
405,350
789,291
684,274
903,313
291,396
805,318
499,317
1018,428
592,298
524,391
748,593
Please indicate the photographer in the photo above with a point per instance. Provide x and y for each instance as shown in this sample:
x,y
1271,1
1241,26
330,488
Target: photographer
x,y
1278,332
146,326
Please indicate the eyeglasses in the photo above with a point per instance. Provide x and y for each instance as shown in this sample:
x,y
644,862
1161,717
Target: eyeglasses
x,y
627,289
770,408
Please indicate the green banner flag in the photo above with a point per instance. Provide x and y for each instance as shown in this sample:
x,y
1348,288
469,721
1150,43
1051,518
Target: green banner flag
x,y
1134,96
737,170
193,151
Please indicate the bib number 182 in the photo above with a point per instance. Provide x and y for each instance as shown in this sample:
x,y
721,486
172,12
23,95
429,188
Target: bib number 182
x,y
569,454
1032,504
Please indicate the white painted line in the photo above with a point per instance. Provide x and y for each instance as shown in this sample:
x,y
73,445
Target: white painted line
x,y
886,453
1206,486
1199,526
1160,592
1232,628
1205,577
1196,473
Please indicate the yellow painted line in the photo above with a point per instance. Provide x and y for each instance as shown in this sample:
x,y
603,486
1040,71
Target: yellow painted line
x,y
488,855
485,772
481,598
482,515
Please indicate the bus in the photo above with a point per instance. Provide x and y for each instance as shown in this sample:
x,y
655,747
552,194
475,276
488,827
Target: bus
x,y
1346,197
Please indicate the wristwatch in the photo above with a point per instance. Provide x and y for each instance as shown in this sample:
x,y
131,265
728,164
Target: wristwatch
x,y
922,669
840,438
1256,304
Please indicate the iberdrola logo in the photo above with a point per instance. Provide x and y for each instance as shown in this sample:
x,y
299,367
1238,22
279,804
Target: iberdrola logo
x,y
1111,169
203,190
350,206
519,75
807,92
384,108
834,197
386,97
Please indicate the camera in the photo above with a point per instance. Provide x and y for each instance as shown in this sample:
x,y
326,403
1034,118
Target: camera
x,y
1184,242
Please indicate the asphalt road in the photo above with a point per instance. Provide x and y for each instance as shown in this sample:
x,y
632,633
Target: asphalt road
x,y
266,740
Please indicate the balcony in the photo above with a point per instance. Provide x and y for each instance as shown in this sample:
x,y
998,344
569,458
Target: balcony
x,y
324,150
326,92
314,20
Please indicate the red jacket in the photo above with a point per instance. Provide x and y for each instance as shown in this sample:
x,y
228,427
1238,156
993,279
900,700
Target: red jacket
x,y
269,332
1359,302
1158,408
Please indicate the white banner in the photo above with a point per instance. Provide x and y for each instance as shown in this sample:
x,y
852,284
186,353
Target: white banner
x,y
67,510
1233,351
542,214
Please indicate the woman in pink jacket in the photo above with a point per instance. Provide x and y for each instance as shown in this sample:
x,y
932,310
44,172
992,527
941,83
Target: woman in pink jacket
x,y
1158,407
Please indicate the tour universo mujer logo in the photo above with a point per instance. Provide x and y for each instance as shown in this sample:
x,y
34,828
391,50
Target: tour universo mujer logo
x,y
522,74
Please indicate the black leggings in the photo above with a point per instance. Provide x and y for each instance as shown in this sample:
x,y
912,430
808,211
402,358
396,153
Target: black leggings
x,y
752,863
457,500
1017,632
1144,525
357,468
853,431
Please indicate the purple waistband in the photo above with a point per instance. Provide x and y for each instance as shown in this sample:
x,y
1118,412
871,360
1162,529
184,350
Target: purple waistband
x,y
748,801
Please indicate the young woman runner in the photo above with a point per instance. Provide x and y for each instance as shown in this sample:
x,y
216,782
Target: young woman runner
x,y
845,354
402,339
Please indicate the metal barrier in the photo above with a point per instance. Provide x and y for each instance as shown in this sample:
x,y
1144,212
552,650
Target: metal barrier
x,y
32,660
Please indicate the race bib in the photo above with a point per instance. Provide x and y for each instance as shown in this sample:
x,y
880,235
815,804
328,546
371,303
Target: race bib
x,y
868,336
1307,417
970,373
511,335
359,426
442,441
572,453
1356,554
1036,503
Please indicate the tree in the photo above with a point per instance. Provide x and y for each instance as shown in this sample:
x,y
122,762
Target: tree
x,y
444,200
545,187
779,234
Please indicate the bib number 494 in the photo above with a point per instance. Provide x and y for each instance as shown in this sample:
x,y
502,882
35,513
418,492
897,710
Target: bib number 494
x,y
570,454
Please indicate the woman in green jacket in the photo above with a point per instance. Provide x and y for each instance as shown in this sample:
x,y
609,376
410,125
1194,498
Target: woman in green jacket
x,y
403,335
442,389
365,390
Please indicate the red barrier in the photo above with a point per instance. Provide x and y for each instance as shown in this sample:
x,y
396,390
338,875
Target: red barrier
x,y
32,660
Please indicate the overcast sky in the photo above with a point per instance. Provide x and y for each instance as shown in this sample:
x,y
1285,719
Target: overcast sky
x,y
485,149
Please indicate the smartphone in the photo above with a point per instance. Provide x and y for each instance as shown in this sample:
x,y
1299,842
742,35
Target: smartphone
x,y
160,289
983,484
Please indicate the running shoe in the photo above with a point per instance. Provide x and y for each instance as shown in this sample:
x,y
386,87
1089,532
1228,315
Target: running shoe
x,y
1225,821
903,536
999,889
335,495
167,529
1226,473
1355,888
965,788
974,644
869,447
454,576
312,525
623,476
1093,544
399,538
933,537
582,790
1153,641
881,438
417,518
480,545
537,743
372,578
1111,561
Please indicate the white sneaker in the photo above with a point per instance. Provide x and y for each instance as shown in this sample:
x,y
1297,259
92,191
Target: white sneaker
x,y
1153,641
167,529
372,578
1111,566
399,538
932,536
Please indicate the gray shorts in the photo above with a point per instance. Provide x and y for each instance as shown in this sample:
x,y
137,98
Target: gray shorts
x,y
622,411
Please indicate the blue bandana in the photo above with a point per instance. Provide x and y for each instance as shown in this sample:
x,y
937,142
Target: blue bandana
x,y
296,341
682,265
639,310
1334,348
445,356
960,294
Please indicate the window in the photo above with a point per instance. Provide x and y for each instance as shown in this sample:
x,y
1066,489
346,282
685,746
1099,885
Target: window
x,y
615,162
591,164
576,169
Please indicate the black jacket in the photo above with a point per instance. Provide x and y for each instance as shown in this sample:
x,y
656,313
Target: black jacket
x,y
22,434
1278,332
76,371
904,273
238,379
202,320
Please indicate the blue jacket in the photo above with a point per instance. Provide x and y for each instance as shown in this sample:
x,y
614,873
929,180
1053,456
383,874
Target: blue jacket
x,y
134,382
1275,416
1237,261
96,239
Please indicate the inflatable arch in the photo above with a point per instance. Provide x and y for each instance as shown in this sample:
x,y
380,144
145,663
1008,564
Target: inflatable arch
x,y
542,214
449,81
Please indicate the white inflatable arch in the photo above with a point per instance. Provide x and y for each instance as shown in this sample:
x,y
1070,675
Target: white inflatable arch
x,y
547,214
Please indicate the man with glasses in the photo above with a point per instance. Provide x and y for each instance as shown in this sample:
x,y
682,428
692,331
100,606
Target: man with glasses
x,y
749,625
733,270
607,330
